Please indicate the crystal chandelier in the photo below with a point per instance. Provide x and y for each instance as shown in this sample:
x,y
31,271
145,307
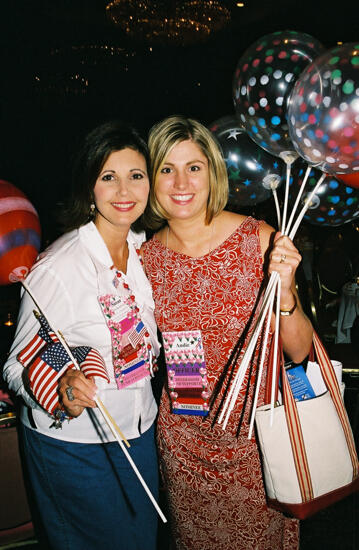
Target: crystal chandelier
x,y
161,21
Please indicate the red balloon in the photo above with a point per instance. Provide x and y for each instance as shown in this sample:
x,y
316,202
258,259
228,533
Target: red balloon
x,y
20,234
349,179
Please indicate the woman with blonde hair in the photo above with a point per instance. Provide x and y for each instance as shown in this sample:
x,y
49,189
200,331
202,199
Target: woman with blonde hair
x,y
206,267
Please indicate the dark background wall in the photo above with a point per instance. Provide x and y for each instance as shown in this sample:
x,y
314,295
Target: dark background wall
x,y
45,108
43,112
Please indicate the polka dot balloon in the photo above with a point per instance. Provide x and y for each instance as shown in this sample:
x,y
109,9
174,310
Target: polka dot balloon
x,y
253,173
333,204
323,111
263,80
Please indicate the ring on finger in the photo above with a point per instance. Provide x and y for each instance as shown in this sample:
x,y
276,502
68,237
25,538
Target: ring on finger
x,y
282,259
69,393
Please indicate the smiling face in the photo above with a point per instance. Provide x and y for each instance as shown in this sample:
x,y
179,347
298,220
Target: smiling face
x,y
182,183
121,191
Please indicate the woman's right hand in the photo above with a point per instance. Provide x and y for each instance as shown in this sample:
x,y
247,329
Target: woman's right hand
x,y
83,391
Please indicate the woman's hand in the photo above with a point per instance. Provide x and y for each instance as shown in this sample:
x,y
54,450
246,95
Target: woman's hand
x,y
284,259
295,328
80,393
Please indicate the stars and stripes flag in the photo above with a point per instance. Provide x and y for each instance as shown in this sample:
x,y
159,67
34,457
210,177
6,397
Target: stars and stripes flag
x,y
136,334
47,360
45,372
91,362
43,337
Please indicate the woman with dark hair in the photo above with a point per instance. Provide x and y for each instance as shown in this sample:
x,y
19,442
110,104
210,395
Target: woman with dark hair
x,y
206,267
94,290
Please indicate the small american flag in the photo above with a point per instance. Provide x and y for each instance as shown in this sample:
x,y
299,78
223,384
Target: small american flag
x,y
43,337
136,335
91,362
47,360
45,372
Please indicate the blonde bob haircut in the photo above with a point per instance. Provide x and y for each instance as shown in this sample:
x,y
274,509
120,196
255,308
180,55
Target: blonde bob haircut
x,y
165,135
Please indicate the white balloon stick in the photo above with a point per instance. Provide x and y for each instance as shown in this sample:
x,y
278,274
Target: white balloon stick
x,y
276,202
306,206
286,194
300,192
275,349
261,365
239,377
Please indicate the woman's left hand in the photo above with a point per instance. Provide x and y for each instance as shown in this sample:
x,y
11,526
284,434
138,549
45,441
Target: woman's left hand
x,y
295,330
76,392
284,259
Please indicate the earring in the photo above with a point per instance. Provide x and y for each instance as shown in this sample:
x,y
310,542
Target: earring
x,y
92,210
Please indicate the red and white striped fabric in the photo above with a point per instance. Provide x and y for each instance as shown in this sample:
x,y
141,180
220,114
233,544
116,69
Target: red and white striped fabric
x,y
45,372
91,362
43,337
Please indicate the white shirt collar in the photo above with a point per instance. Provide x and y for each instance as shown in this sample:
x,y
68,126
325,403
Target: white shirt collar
x,y
92,240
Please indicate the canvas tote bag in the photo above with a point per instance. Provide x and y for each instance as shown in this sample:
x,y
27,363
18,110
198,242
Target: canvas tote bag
x,y
308,454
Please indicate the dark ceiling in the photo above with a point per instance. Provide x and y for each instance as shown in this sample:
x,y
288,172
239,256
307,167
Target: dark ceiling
x,y
42,120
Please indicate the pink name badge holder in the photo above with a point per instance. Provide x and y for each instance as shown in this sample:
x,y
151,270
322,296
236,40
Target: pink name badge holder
x,y
131,347
186,371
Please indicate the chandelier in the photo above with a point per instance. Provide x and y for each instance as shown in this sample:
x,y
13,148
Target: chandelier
x,y
161,21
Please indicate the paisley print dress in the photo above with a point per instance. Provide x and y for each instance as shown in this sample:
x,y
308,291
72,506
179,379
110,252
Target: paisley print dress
x,y
213,476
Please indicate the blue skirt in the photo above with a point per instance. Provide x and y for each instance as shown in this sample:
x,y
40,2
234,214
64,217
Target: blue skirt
x,y
88,496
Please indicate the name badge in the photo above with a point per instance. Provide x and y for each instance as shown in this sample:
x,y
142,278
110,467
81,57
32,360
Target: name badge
x,y
131,349
186,372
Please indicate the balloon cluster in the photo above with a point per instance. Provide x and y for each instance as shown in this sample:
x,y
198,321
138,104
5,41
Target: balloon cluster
x,y
293,99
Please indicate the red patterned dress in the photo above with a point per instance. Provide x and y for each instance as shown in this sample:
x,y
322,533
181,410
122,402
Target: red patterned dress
x,y
213,477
